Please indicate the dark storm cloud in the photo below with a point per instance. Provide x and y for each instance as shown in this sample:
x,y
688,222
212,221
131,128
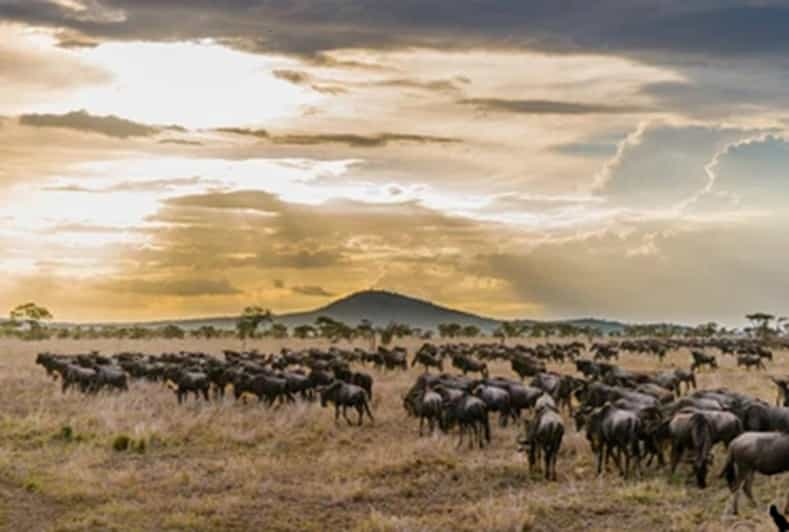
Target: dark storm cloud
x,y
110,126
710,27
547,107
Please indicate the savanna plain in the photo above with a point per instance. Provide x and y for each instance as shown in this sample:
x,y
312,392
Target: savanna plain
x,y
139,461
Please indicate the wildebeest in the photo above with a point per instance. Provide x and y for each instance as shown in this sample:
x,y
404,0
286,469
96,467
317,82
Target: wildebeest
x,y
700,430
185,381
343,395
496,400
750,361
469,413
754,452
544,433
702,359
428,356
614,431
424,403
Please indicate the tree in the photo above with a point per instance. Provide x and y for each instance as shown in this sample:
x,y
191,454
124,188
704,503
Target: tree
x,y
171,332
761,323
305,331
249,321
332,329
32,315
366,330
279,330
394,330
509,329
449,330
470,331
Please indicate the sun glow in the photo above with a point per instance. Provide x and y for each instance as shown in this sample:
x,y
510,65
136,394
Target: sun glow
x,y
190,84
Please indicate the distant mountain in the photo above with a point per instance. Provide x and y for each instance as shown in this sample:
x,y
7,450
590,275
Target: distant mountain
x,y
381,308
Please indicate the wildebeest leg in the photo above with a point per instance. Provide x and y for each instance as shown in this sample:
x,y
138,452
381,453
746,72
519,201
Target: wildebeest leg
x,y
600,450
548,458
736,489
460,431
627,464
360,411
366,406
336,413
421,422
617,452
676,456
345,414
747,485
205,394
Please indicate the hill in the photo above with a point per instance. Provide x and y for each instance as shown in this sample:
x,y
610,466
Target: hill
x,y
381,308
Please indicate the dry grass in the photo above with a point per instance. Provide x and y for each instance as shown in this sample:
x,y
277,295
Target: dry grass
x,y
225,466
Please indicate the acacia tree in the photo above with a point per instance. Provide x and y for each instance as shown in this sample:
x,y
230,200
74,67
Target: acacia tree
x,y
279,330
449,330
304,331
761,323
32,315
333,329
470,331
509,329
366,330
249,321
394,330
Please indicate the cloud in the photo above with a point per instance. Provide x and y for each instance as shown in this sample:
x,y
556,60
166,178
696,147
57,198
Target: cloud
x,y
315,291
181,142
110,126
717,28
585,149
349,139
304,79
258,133
662,165
547,107
360,141
173,287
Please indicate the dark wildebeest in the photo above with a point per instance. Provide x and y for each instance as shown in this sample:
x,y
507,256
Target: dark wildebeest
x,y
702,359
185,381
425,404
701,430
544,433
343,395
470,414
615,431
750,361
111,377
428,356
761,417
754,452
496,400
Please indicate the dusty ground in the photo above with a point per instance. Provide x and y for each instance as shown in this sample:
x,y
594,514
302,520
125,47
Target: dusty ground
x,y
232,467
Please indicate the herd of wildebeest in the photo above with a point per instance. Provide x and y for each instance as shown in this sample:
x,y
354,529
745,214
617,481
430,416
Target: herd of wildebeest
x,y
629,416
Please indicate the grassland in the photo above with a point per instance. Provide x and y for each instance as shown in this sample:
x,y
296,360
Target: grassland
x,y
227,466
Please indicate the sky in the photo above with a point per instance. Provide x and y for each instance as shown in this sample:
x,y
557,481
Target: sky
x,y
174,158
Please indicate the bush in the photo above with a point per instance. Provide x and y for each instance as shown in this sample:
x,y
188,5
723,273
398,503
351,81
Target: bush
x,y
121,443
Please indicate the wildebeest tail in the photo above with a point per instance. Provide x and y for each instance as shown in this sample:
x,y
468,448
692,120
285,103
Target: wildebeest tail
x,y
702,441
